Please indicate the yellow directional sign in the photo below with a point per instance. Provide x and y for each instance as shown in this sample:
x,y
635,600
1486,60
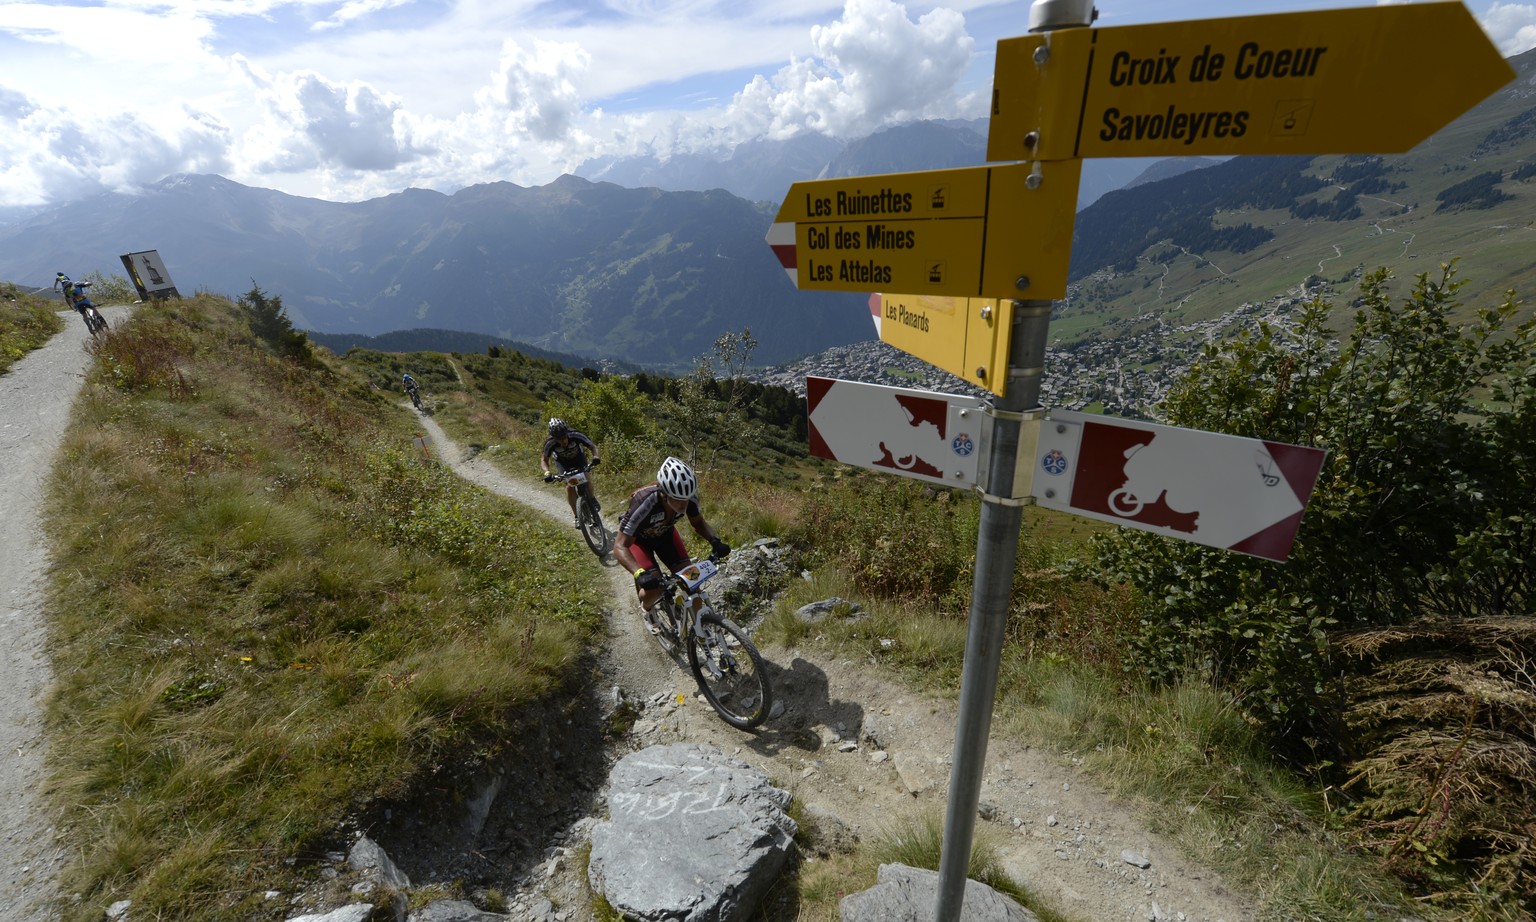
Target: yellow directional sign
x,y
993,232
1369,80
968,337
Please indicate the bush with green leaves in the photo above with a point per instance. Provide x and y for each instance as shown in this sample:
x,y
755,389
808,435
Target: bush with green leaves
x,y
1423,507
613,413
111,289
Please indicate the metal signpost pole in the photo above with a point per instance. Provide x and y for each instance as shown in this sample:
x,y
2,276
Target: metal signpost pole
x,y
996,549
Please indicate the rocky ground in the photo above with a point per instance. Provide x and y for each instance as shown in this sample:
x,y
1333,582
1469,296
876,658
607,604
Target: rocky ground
x,y
848,743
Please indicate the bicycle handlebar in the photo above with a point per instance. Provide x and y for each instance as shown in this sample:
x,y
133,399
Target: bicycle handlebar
x,y
551,477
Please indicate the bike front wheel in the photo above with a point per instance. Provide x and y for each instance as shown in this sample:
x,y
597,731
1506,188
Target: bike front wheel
x,y
593,529
730,672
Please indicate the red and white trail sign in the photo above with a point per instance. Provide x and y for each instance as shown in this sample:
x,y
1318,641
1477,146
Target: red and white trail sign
x,y
1241,494
919,434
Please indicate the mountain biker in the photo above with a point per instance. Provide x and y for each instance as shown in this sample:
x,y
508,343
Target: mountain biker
x,y
567,447
74,294
647,533
410,386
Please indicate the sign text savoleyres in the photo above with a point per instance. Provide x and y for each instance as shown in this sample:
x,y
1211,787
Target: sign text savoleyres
x,y
1368,80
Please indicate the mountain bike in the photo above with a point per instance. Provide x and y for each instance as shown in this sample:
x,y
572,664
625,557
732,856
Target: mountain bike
x,y
93,319
721,656
415,397
588,510
74,296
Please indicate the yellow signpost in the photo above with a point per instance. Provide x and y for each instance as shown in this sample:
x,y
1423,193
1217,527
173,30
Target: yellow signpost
x,y
1368,80
962,244
981,232
968,337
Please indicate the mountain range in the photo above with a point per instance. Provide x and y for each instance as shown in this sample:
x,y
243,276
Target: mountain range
x,y
641,275
763,170
652,275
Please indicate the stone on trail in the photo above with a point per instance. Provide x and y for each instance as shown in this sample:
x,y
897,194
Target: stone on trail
x,y
355,912
693,836
455,911
903,894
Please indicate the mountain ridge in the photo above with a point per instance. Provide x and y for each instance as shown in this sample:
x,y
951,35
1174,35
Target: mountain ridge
x,y
654,277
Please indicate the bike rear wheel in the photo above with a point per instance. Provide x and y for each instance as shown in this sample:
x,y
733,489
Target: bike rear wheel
x,y
592,528
730,672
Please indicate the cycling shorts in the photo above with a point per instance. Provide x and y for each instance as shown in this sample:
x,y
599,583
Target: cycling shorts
x,y
668,550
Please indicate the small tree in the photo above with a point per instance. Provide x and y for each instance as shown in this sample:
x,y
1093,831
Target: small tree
x,y
713,412
270,322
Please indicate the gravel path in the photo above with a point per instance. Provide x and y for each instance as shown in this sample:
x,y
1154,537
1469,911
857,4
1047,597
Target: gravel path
x,y
848,741
35,397
854,744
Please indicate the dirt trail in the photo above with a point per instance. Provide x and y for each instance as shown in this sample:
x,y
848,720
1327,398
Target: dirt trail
x,y
868,751
35,397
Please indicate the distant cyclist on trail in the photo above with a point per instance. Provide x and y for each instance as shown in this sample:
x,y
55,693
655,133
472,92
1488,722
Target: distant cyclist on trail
x,y
74,293
647,532
568,448
75,297
410,388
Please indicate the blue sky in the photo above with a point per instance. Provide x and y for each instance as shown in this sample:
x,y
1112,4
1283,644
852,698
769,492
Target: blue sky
x,y
360,98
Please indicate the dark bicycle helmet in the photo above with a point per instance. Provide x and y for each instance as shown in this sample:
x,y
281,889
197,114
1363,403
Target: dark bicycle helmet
x,y
557,427
676,479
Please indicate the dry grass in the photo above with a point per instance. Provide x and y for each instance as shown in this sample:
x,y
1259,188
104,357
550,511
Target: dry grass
x,y
266,613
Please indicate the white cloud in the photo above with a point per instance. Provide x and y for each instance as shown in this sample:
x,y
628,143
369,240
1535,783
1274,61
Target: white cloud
x,y
873,67
535,94
354,10
14,104
870,68
336,99
1511,26
54,153
310,122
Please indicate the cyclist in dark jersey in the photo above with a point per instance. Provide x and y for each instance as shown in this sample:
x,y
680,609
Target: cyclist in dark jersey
x,y
647,533
568,448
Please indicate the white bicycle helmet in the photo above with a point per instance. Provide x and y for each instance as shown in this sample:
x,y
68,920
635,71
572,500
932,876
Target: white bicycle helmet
x,y
557,427
676,480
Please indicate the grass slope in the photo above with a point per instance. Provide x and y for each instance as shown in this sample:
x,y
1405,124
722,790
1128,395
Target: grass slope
x,y
267,612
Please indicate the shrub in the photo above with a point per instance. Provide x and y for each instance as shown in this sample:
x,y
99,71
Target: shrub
x,y
1418,536
896,537
1421,508
269,320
